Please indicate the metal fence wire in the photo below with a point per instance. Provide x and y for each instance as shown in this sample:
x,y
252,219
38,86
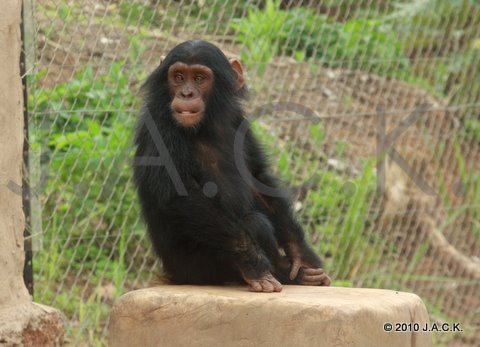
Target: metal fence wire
x,y
375,129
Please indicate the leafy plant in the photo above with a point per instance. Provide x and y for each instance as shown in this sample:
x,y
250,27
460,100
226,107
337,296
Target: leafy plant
x,y
357,43
258,31
435,25
338,210
135,13
89,95
88,200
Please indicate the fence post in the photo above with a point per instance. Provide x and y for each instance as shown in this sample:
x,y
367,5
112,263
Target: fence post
x,y
22,322
28,267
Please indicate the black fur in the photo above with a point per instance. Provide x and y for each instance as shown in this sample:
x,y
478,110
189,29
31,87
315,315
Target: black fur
x,y
205,239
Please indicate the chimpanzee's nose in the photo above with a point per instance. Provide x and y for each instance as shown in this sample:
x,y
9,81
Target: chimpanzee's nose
x,y
187,92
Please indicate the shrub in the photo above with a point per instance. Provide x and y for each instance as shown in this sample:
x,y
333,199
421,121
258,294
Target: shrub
x,y
356,44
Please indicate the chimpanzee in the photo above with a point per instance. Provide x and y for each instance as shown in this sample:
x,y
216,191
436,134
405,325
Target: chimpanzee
x,y
209,223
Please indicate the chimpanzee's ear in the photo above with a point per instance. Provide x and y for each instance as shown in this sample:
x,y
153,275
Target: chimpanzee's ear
x,y
238,68
162,58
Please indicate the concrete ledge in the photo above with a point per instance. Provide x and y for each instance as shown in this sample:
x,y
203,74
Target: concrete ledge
x,y
31,324
298,316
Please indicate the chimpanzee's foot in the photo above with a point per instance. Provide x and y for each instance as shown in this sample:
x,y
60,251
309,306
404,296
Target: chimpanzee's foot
x,y
267,284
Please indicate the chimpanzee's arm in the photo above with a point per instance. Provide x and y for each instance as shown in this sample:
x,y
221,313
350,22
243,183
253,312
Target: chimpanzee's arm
x,y
289,233
278,207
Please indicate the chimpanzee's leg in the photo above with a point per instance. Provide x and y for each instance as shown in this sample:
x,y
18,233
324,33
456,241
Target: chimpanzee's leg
x,y
264,234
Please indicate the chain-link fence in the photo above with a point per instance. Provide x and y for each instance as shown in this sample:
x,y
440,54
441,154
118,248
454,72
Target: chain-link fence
x,y
375,127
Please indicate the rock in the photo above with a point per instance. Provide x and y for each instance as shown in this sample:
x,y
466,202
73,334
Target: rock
x,y
298,316
31,325
336,164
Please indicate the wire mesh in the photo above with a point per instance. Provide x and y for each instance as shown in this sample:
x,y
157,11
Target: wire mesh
x,y
385,176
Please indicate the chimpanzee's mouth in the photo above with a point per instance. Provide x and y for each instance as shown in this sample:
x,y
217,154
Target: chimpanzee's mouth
x,y
188,113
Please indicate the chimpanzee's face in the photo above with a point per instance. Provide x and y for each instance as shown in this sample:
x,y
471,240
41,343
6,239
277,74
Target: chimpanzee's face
x,y
190,88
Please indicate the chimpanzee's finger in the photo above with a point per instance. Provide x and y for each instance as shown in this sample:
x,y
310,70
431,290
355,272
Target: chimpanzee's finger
x,y
312,271
296,264
254,286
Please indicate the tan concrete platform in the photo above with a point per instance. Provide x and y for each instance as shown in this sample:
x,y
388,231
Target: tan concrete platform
x,y
232,316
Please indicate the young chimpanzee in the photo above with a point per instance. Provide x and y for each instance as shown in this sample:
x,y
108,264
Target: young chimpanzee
x,y
208,222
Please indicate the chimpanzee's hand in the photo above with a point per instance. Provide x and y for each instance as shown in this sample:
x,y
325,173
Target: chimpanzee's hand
x,y
267,284
312,277
306,266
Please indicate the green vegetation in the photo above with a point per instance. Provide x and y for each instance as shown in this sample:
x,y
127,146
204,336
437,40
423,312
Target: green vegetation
x,y
357,43
336,206
395,41
93,238
91,221
258,31
139,14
